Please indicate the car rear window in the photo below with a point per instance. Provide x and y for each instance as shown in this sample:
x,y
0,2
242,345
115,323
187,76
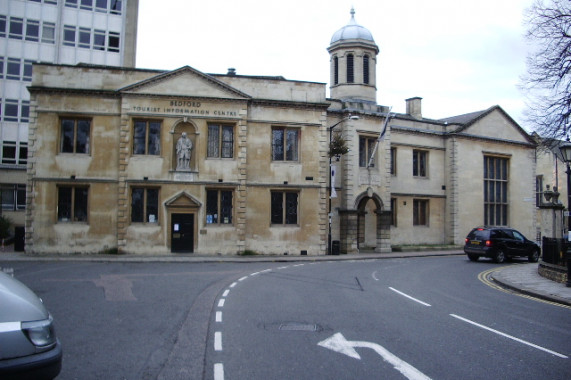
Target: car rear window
x,y
479,234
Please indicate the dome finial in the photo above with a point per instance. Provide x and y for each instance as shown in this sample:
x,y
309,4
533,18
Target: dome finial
x,y
352,21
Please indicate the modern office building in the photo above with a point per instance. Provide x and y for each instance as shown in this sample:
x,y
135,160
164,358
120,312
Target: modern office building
x,y
101,32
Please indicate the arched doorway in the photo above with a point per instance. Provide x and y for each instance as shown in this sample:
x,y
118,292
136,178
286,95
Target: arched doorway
x,y
373,223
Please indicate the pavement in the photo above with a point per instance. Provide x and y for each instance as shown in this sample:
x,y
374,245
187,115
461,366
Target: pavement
x,y
521,277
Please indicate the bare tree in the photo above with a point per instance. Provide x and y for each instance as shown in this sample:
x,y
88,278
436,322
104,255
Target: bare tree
x,y
548,80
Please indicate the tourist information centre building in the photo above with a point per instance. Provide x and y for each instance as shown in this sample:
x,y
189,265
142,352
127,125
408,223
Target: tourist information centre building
x,y
157,162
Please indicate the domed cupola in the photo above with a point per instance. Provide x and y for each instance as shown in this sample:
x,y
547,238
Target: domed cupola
x,y
353,58
352,31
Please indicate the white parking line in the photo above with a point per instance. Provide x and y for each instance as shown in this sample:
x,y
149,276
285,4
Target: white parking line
x,y
409,297
509,336
218,371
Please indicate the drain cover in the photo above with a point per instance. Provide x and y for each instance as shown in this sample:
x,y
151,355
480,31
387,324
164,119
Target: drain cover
x,y
295,326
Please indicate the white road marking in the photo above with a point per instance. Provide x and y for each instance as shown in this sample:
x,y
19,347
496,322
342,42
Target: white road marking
x,y
217,341
285,267
225,293
298,265
338,343
243,278
221,302
375,276
409,297
509,336
233,284
218,316
255,274
218,371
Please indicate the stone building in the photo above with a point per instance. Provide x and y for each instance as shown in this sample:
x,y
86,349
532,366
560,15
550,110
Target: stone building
x,y
106,170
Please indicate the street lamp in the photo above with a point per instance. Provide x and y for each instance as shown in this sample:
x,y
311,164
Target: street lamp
x,y
565,150
350,117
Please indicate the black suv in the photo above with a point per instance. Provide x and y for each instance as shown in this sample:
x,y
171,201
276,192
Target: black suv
x,y
499,243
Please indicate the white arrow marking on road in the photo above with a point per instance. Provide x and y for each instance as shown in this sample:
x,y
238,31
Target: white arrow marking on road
x,y
338,343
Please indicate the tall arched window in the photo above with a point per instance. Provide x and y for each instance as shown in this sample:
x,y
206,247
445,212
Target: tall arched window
x,y
335,70
366,69
350,69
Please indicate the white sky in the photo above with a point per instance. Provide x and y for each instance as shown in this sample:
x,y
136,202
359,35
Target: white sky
x,y
459,56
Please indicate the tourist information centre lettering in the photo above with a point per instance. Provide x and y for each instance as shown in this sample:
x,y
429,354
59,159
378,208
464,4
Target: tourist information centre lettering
x,y
184,107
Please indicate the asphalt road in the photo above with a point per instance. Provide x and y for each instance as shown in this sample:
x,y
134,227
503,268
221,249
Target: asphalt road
x,y
393,319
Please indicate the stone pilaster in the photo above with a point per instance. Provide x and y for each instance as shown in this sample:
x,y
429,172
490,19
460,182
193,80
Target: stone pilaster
x,y
349,225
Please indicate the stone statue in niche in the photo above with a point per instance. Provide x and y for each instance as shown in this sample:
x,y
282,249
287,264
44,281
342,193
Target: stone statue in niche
x,y
183,152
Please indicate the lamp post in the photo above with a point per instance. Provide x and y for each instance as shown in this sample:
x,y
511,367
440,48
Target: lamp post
x,y
329,214
565,150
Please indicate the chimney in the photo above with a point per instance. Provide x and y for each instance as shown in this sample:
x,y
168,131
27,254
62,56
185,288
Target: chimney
x,y
231,71
414,107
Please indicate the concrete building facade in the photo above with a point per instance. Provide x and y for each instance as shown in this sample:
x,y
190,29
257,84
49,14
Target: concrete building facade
x,y
56,31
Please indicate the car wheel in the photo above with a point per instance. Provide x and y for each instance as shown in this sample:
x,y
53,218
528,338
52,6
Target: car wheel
x,y
500,257
533,257
473,257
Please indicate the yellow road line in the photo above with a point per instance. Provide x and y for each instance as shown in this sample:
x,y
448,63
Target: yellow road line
x,y
484,277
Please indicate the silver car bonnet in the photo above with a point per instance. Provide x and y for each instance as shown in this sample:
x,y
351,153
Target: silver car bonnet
x,y
18,303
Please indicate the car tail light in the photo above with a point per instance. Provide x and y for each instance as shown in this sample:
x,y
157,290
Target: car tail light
x,y
488,243
466,240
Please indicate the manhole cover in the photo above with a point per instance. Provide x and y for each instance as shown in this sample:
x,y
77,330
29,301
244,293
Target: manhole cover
x,y
295,326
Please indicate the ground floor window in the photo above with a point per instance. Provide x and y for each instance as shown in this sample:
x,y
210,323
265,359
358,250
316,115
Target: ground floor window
x,y
144,205
420,212
13,197
218,207
72,204
495,191
284,207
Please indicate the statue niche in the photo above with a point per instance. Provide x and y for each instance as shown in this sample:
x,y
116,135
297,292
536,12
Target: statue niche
x,y
183,147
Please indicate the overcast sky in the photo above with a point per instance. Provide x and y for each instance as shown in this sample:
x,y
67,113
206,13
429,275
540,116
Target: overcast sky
x,y
459,56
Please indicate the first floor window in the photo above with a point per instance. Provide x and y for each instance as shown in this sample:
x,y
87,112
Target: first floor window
x,y
48,32
11,110
9,152
285,144
495,191
538,190
284,207
393,161
13,197
72,204
218,207
99,39
69,35
75,136
394,212
12,155
419,163
147,137
144,205
366,147
420,212
220,141
113,42
32,30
